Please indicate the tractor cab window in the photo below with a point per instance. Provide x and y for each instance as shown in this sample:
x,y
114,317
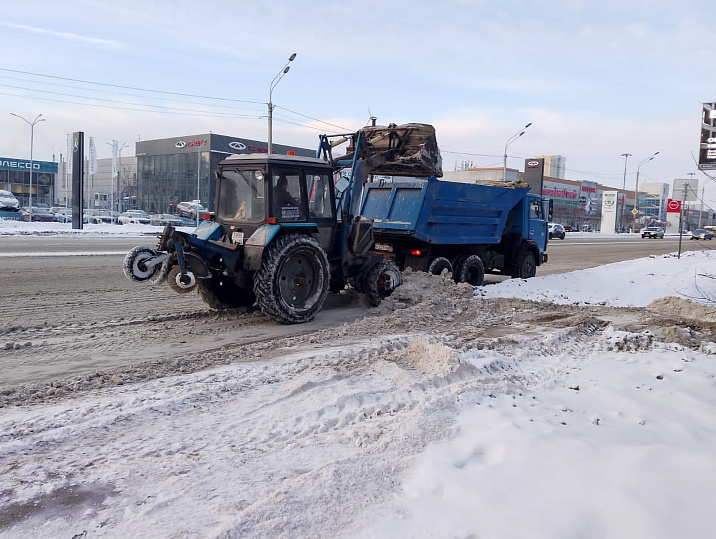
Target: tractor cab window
x,y
286,193
241,196
320,204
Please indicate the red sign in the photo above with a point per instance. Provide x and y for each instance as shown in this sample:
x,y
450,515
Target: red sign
x,y
673,206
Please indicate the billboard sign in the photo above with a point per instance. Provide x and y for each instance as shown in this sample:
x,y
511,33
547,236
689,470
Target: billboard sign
x,y
673,206
534,174
609,211
707,145
685,189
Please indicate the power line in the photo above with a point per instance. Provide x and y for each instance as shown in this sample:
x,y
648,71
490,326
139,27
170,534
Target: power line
x,y
110,100
207,115
130,87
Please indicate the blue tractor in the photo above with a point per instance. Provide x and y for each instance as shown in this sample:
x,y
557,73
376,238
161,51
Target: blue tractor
x,y
287,229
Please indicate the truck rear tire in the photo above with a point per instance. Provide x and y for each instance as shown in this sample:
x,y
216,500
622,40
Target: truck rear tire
x,y
292,283
471,271
380,282
439,264
222,293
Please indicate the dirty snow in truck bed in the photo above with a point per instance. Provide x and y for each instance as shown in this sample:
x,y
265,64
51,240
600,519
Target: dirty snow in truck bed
x,y
598,426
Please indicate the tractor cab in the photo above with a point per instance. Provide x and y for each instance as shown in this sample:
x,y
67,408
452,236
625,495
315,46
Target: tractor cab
x,y
287,191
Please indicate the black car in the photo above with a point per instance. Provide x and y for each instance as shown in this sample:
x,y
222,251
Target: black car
x,y
38,214
702,234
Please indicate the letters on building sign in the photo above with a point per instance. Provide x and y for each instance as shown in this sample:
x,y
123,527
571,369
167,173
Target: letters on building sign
x,y
558,193
589,189
19,164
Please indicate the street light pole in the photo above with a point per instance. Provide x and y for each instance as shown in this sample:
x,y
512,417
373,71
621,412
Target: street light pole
x,y
636,185
626,156
510,141
274,82
32,143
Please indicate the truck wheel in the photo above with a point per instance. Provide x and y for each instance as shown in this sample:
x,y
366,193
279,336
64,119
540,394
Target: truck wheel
x,y
457,263
134,268
472,271
438,265
222,293
527,266
380,281
292,283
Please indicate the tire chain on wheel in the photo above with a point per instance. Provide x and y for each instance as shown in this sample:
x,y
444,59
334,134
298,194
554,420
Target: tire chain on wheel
x,y
267,285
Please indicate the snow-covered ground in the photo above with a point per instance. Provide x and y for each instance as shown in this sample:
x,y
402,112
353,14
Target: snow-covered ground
x,y
588,430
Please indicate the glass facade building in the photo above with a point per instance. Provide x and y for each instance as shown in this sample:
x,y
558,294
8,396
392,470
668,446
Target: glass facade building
x,y
15,177
181,169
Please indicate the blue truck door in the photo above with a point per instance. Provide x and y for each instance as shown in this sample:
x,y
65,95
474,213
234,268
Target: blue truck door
x,y
538,223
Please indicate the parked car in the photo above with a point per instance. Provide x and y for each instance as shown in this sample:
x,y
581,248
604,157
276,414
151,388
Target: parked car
x,y
556,231
652,232
164,219
189,209
568,228
702,234
38,214
97,217
8,200
134,217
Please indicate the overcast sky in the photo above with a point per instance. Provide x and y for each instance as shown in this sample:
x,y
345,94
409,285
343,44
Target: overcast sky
x,y
596,79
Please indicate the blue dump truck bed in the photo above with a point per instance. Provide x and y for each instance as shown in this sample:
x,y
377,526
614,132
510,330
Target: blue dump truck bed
x,y
441,212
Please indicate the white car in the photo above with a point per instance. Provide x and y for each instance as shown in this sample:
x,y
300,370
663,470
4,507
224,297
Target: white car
x,y
134,217
8,200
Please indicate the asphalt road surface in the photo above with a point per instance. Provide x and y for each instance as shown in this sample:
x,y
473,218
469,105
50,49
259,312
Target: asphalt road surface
x,y
67,307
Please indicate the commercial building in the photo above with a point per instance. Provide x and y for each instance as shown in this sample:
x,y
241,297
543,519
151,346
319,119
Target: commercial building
x,y
177,169
554,165
102,190
15,177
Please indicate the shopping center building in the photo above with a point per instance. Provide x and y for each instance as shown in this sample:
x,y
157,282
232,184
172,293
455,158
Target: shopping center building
x,y
178,169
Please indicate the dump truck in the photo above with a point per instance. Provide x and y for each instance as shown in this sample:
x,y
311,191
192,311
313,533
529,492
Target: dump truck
x,y
287,229
433,225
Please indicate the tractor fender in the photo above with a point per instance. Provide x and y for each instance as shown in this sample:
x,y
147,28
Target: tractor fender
x,y
254,246
264,236
208,230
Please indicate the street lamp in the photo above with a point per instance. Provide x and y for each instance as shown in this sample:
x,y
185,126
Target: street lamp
x,y
636,186
32,142
510,141
274,82
626,156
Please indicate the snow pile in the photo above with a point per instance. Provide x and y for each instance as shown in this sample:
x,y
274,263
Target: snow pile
x,y
446,412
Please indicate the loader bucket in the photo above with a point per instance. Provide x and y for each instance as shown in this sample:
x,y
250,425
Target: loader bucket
x,y
400,150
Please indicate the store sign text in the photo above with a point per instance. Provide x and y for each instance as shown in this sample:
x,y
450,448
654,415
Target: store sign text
x,y
191,143
19,164
558,193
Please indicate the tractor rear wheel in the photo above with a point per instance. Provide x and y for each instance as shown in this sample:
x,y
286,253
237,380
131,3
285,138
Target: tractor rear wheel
x,y
292,283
